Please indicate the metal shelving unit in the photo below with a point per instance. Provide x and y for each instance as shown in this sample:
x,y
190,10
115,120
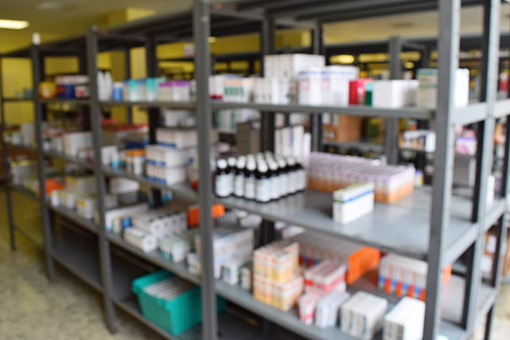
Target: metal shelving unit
x,y
431,224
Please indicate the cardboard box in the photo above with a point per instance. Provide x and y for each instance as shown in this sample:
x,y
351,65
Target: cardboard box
x,y
342,128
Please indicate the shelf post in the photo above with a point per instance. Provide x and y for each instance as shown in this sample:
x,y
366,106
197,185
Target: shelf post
x,y
5,147
267,130
316,118
95,117
484,160
201,33
37,70
153,112
127,75
449,29
391,140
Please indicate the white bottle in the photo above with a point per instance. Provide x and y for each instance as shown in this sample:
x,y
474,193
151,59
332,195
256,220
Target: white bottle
x,y
222,184
294,175
284,178
275,180
239,177
263,184
232,171
249,180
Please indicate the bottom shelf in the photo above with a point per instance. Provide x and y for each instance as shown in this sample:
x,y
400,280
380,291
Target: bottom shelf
x,y
31,232
81,258
229,326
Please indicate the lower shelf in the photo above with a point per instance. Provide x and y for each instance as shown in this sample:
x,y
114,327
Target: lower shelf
x,y
31,232
82,259
73,216
229,327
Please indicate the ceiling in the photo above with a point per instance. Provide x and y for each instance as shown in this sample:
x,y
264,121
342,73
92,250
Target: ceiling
x,y
58,18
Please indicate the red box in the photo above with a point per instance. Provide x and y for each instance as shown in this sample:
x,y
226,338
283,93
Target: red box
x,y
357,91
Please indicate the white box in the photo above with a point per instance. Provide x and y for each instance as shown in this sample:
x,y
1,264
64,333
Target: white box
x,y
120,213
78,144
394,93
427,90
140,239
165,156
405,321
353,202
310,87
335,84
166,175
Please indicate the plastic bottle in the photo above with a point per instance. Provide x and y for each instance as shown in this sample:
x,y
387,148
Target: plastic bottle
x,y
239,177
293,175
275,181
222,180
263,184
232,171
249,180
284,177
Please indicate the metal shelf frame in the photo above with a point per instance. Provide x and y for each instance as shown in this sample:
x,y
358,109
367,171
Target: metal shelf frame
x,y
447,226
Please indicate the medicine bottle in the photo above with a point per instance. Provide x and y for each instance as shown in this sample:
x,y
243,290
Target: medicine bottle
x,y
274,180
239,177
231,169
263,184
284,177
301,177
249,179
222,179
293,175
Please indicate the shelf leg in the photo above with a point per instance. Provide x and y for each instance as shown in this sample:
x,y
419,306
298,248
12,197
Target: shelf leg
x,y
449,26
104,245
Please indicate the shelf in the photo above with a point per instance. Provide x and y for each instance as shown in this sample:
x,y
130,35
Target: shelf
x,y
474,112
24,191
402,227
79,161
169,104
230,327
64,100
290,320
501,108
183,190
179,269
80,258
14,100
494,212
22,147
73,216
359,110
362,145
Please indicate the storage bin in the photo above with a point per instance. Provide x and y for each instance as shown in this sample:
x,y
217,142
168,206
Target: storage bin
x,y
177,315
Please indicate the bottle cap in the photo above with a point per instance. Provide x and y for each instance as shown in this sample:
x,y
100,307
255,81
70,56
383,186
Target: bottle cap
x,y
262,167
282,163
251,165
291,161
231,161
241,162
222,164
273,166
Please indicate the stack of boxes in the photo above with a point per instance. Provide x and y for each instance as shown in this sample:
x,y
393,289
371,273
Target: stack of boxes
x,y
403,276
78,144
147,228
277,279
231,245
353,202
315,248
329,172
363,314
405,321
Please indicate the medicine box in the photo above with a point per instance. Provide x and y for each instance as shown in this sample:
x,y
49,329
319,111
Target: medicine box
x,y
325,277
80,184
353,202
394,93
306,307
405,321
174,248
120,213
362,316
403,276
276,261
86,204
335,84
177,138
166,175
315,248
327,310
428,87
77,144
165,156
140,239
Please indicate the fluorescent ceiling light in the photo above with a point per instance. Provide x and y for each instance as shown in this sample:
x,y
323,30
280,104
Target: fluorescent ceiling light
x,y
13,24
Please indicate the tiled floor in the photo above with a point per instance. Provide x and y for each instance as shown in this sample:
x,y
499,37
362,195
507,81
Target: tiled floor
x,y
31,308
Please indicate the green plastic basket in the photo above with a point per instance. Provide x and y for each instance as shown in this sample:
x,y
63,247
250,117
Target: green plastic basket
x,y
175,316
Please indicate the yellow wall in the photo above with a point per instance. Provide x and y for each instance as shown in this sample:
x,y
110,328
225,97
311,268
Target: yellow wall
x,y
16,76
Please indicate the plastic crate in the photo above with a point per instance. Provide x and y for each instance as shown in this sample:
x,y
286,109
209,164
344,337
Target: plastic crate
x,y
177,315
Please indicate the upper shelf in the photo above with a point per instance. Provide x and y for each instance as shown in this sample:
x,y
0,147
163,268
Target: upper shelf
x,y
170,104
65,100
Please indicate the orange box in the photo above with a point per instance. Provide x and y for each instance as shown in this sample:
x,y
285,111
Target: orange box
x,y
217,210
360,262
